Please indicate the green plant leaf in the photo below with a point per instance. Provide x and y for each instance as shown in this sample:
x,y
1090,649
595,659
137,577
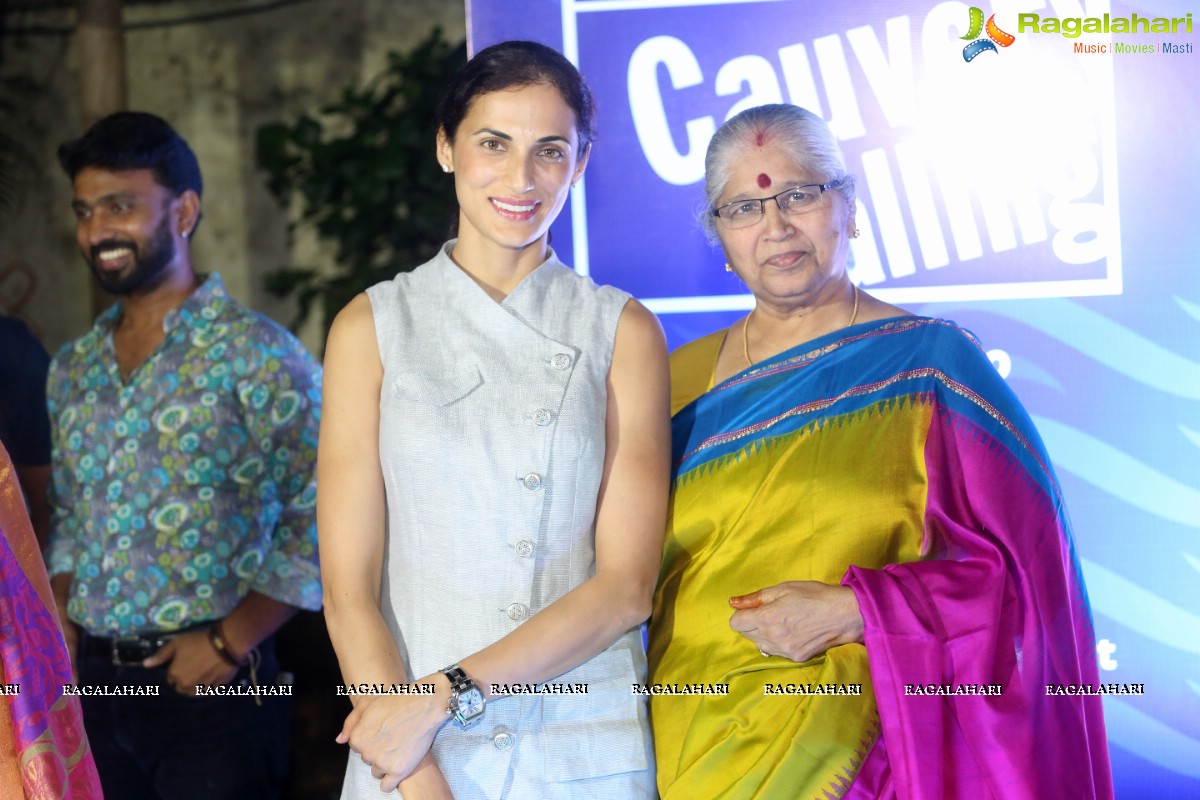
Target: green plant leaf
x,y
363,176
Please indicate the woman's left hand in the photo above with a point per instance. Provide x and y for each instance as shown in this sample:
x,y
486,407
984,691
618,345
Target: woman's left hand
x,y
393,733
798,619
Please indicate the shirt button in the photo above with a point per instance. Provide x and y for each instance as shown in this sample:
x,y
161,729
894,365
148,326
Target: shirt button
x,y
532,481
543,417
560,361
524,548
517,612
502,738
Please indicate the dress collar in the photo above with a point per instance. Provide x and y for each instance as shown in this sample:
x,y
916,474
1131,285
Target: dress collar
x,y
530,285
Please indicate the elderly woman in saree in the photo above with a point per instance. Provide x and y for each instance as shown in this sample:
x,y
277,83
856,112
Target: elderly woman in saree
x,y
868,549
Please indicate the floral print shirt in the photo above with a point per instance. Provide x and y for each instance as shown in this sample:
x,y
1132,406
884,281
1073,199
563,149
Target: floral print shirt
x,y
180,489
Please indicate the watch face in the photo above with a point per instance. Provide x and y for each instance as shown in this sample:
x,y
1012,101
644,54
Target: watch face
x,y
470,703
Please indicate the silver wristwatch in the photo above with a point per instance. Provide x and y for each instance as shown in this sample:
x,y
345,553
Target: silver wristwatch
x,y
467,703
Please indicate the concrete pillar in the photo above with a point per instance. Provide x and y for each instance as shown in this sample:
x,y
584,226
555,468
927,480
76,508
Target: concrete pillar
x,y
100,40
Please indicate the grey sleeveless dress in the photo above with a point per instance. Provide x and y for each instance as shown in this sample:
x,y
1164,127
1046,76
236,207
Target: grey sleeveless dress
x,y
492,440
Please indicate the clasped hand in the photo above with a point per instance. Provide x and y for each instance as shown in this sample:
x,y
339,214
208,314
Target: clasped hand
x,y
798,619
392,733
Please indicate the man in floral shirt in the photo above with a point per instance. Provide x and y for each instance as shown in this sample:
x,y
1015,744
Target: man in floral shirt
x,y
185,435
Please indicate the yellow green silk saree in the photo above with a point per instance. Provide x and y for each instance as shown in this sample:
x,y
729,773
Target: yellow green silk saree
x,y
891,458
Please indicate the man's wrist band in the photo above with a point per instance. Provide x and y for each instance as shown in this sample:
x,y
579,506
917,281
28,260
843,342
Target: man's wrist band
x,y
217,639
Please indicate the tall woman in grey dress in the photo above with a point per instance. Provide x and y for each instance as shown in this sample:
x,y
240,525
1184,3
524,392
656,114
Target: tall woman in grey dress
x,y
493,469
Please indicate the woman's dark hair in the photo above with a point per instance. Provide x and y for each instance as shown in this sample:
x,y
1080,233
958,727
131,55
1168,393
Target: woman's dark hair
x,y
135,140
510,65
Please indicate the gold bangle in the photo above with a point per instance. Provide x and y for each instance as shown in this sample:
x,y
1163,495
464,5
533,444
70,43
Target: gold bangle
x,y
217,639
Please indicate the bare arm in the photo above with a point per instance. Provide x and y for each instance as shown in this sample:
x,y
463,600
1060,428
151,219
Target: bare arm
x,y
350,520
350,502
630,523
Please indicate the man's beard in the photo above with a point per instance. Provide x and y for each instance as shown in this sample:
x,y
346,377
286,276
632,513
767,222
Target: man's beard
x,y
149,267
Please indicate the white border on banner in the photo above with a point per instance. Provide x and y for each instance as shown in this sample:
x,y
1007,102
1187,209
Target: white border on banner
x,y
916,294
638,5
570,31
579,229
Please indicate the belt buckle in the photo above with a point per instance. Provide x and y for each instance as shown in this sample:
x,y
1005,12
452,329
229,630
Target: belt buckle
x,y
126,643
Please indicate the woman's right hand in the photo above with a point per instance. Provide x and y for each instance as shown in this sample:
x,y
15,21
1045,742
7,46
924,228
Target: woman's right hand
x,y
393,734
798,619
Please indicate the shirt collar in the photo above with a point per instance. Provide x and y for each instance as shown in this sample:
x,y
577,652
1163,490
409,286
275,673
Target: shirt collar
x,y
202,307
198,310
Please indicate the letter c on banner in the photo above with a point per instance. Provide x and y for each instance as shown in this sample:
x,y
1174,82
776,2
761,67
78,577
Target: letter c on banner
x,y
650,115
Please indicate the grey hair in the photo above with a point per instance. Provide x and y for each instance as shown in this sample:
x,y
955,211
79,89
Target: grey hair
x,y
798,131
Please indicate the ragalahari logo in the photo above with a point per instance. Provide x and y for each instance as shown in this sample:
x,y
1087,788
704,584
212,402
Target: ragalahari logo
x,y
995,35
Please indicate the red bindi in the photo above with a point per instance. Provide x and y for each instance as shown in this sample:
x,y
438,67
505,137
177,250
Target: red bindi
x,y
764,180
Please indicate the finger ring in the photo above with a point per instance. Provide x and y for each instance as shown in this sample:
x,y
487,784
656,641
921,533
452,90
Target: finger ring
x,y
763,653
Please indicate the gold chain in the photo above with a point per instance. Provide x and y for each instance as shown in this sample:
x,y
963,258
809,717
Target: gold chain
x,y
746,336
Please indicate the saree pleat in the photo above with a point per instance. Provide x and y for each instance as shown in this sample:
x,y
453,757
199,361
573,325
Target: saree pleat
x,y
892,458
42,741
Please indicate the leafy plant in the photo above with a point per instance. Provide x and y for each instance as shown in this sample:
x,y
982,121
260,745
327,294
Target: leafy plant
x,y
366,178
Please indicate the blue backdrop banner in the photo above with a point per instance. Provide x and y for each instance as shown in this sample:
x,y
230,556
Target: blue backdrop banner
x,y
1033,179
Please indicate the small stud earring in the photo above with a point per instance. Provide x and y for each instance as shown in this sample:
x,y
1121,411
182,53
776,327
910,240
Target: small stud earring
x,y
727,267
855,234
445,167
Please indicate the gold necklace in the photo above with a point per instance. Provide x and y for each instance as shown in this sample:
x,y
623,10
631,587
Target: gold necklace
x,y
746,327
746,336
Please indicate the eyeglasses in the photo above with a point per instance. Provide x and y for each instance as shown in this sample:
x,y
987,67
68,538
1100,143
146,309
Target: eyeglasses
x,y
796,200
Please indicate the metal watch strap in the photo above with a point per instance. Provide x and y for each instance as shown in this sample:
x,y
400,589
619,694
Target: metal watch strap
x,y
461,684
458,679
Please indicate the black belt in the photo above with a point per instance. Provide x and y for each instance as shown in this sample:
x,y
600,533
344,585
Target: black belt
x,y
127,651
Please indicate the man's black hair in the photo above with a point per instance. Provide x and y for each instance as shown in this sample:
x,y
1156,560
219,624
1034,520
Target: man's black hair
x,y
135,140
